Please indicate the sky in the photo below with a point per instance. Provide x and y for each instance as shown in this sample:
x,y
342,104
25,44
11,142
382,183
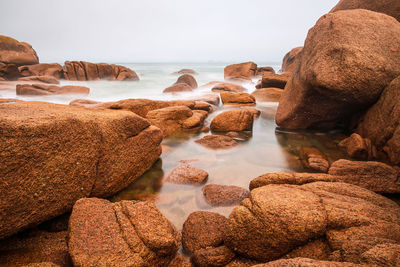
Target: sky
x,y
123,31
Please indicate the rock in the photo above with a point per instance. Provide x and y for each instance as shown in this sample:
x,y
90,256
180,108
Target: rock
x,y
267,94
185,71
43,89
381,123
176,119
187,174
242,71
53,69
233,120
202,229
18,53
211,98
274,80
242,262
388,7
35,247
9,71
200,105
229,87
187,79
44,79
289,59
224,195
178,87
212,257
318,163
86,71
42,144
42,264
237,98
358,147
304,262
325,89
277,219
179,261
217,141
256,113
261,70
120,234
383,255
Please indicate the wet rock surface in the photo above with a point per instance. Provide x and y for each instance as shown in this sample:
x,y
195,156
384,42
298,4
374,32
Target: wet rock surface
x,y
214,141
224,195
187,174
268,94
233,120
178,87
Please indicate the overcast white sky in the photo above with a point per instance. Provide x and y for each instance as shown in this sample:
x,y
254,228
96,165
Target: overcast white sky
x,y
161,30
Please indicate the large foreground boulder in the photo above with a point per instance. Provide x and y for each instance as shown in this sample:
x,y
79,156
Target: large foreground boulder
x,y
389,7
349,57
242,71
18,53
120,234
278,219
53,69
52,155
289,59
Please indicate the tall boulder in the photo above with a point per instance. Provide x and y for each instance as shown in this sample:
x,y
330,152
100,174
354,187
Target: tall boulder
x,y
53,155
18,53
349,57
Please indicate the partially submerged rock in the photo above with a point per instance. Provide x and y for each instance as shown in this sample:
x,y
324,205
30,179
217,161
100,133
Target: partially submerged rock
x,y
187,174
273,80
358,147
229,87
187,79
233,120
237,98
217,141
185,71
242,71
178,87
268,94
224,195
43,89
18,53
120,234
44,79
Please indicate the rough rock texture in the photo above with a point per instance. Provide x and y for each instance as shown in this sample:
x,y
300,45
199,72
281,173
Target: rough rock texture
x,y
305,262
9,72
53,69
273,80
318,163
242,71
224,195
255,112
261,70
43,89
233,120
187,79
268,94
229,87
237,98
211,98
43,79
277,219
375,176
217,141
18,53
203,229
389,7
289,59
383,255
187,174
349,57
52,155
358,147
185,71
178,87
212,257
86,71
120,234
381,123
179,261
175,119
35,247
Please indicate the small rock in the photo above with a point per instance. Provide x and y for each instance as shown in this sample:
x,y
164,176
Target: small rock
x,y
233,120
237,98
274,80
242,71
178,87
224,195
185,71
187,174
217,141
358,147
187,79
228,87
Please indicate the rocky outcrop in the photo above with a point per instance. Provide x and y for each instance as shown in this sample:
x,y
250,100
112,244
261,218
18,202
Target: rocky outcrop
x,y
305,262
229,87
381,123
217,141
187,79
273,80
42,79
229,98
358,147
177,119
42,144
120,234
267,94
43,89
53,69
242,71
388,7
18,53
342,69
224,195
351,219
185,71
187,174
233,120
289,59
178,87
86,71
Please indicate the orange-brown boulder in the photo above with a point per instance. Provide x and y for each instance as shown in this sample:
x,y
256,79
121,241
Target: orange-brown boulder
x,y
273,80
212,257
224,195
340,69
120,234
242,71
233,120
43,79
18,53
305,262
187,174
43,89
229,87
187,79
53,69
178,87
9,72
42,144
261,70
289,59
358,147
268,94
388,7
214,141
352,220
229,98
